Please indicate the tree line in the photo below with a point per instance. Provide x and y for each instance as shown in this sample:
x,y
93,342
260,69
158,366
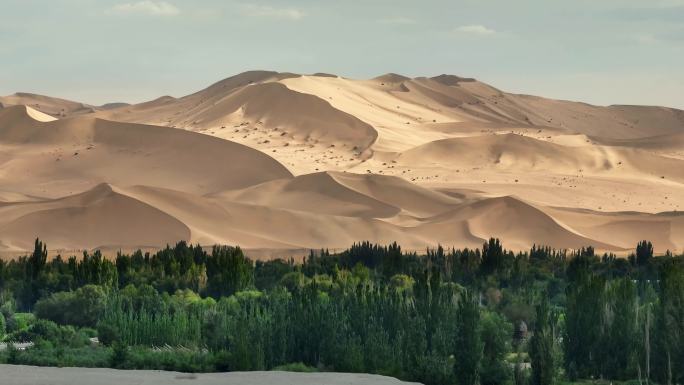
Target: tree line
x,y
449,316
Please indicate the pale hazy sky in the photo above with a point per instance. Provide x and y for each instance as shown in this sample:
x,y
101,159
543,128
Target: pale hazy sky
x,y
598,51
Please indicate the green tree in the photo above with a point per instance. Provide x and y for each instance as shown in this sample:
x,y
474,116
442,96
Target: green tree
x,y
496,339
621,345
469,346
492,257
37,260
82,307
543,346
119,355
3,328
669,359
228,271
584,324
644,253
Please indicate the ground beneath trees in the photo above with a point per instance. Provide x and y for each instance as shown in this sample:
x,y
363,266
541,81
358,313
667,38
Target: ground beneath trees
x,y
30,375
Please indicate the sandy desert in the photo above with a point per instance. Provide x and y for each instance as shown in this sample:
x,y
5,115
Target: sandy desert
x,y
279,163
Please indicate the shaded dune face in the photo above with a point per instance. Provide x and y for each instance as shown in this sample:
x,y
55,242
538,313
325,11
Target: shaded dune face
x,y
281,161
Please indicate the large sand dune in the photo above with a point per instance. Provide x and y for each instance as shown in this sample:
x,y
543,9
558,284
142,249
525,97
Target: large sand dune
x,y
284,162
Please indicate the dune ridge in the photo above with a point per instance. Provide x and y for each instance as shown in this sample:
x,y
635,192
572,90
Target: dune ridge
x,y
48,105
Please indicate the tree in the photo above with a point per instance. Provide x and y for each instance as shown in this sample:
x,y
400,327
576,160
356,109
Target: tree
x,y
2,326
82,307
468,351
584,323
644,253
37,260
496,337
34,268
621,357
669,359
119,355
543,346
228,271
492,257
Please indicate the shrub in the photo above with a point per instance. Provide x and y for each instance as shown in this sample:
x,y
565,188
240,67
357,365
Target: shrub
x,y
82,307
21,321
108,333
49,333
47,355
179,360
119,355
295,367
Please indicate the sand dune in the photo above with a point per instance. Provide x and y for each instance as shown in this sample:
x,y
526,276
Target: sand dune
x,y
375,102
257,98
255,226
410,198
319,192
664,229
162,216
209,222
67,156
55,107
346,194
100,217
303,116
511,219
517,152
280,161
671,145
620,122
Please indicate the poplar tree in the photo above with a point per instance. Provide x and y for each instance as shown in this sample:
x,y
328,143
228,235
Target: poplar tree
x,y
469,345
543,346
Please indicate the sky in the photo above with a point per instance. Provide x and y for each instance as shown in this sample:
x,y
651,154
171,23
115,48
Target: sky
x,y
98,51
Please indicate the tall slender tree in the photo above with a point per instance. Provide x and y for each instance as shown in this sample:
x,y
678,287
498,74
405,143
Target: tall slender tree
x,y
543,346
644,252
468,350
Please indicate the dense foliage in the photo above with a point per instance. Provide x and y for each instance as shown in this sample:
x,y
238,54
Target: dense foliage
x,y
485,316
